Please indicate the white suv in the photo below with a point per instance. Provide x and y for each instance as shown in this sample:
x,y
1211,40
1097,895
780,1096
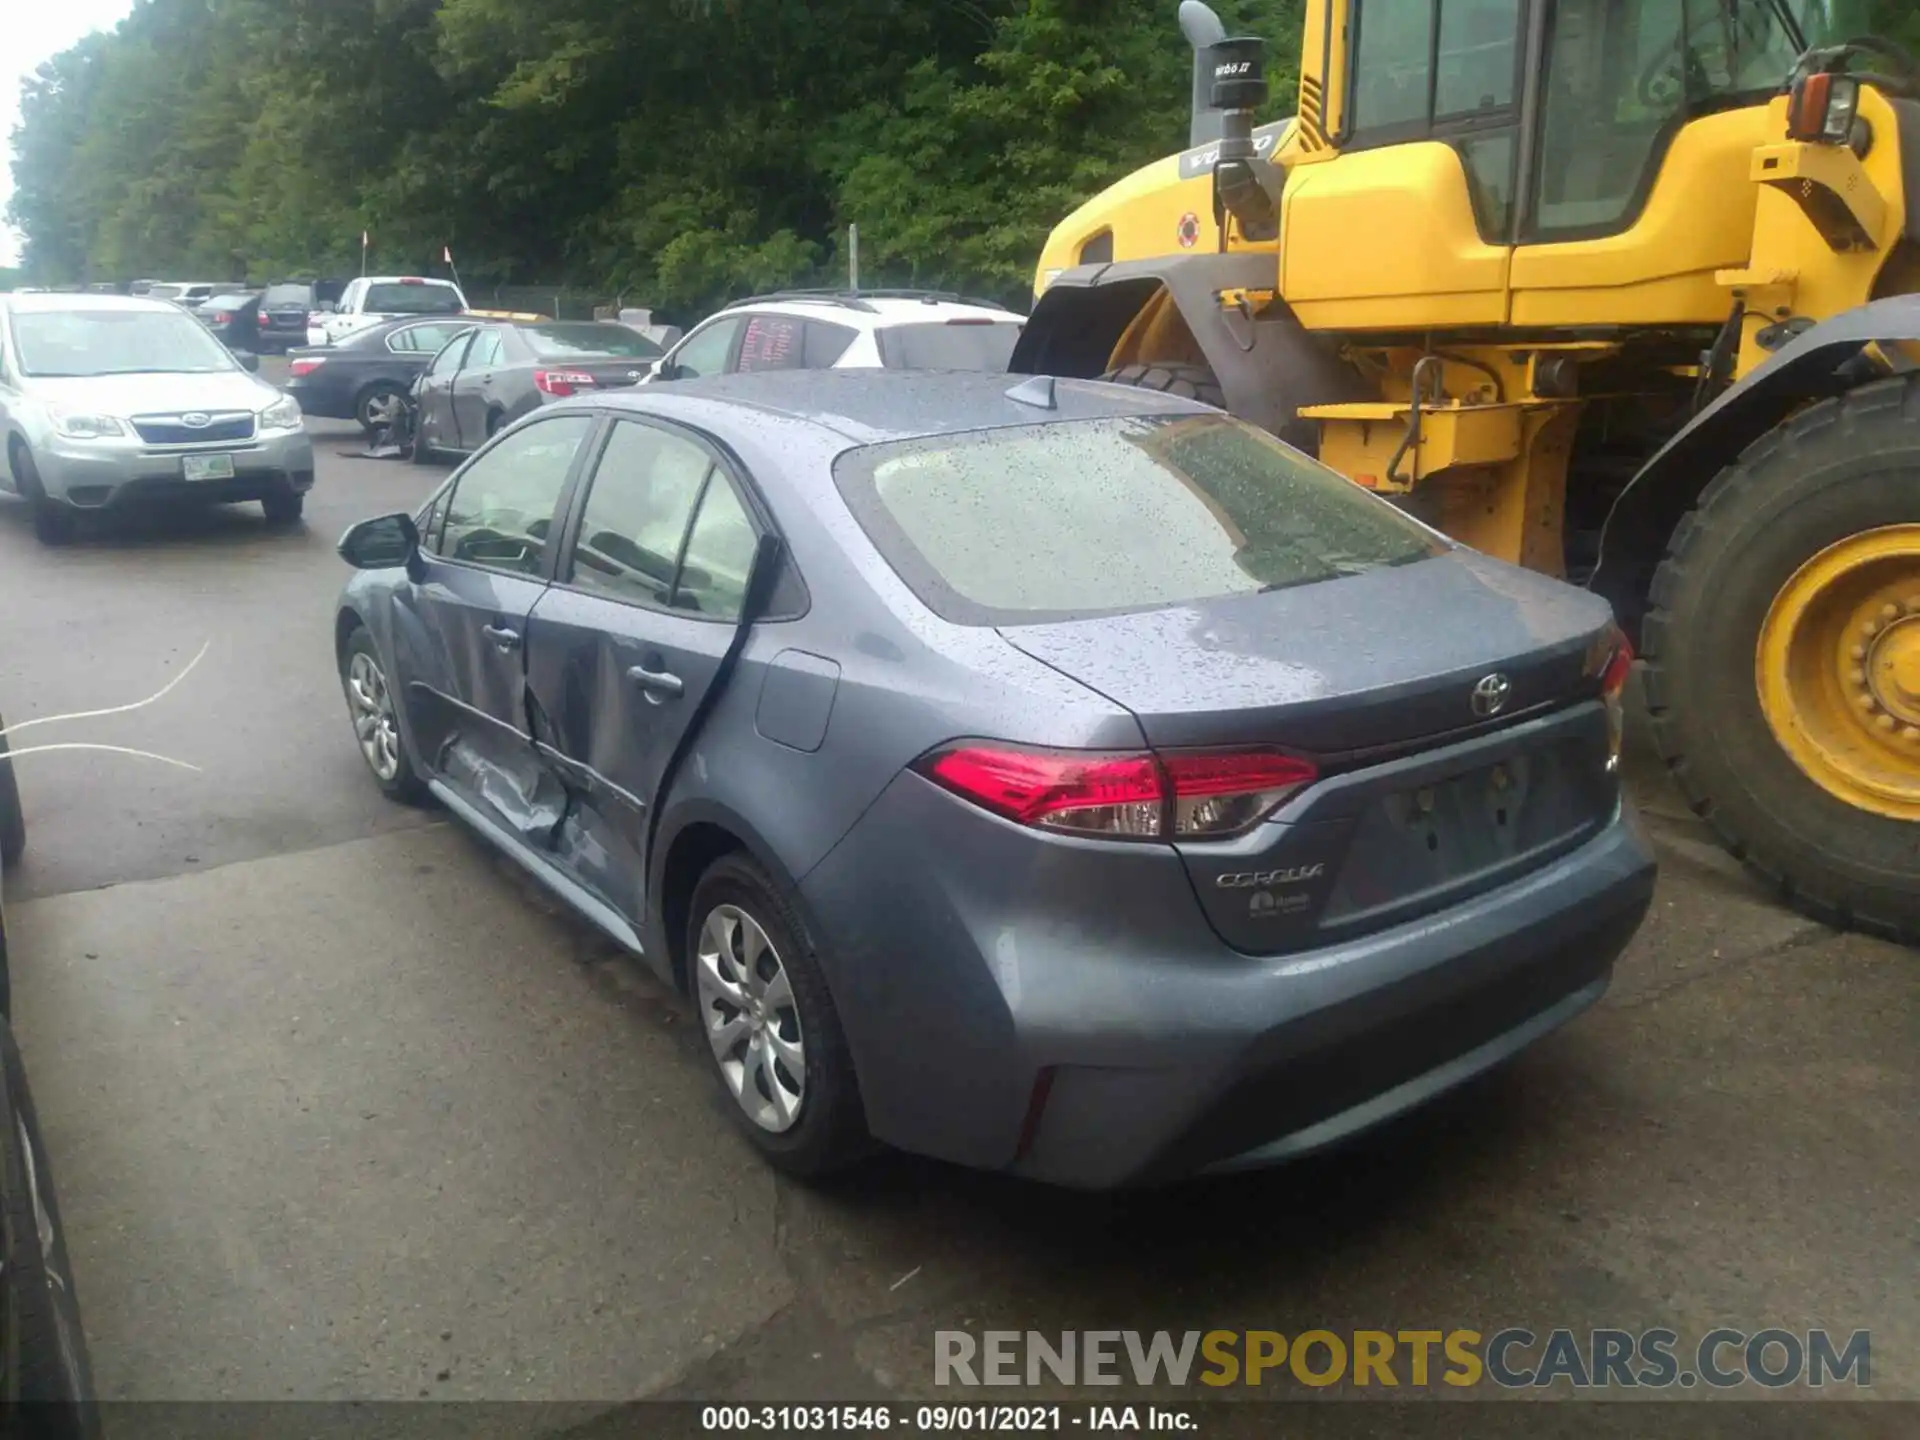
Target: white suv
x,y
836,330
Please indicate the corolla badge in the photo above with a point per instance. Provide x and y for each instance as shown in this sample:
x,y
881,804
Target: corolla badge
x,y
1490,695
1246,879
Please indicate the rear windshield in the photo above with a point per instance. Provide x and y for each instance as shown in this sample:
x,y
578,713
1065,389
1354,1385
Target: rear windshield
x,y
166,292
287,295
1129,513
949,345
229,302
413,300
559,342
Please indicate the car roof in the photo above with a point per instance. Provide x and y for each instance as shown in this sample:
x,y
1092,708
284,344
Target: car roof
x,y
876,312
43,303
872,406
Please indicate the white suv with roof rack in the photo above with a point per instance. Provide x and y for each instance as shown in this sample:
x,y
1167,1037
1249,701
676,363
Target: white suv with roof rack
x,y
846,330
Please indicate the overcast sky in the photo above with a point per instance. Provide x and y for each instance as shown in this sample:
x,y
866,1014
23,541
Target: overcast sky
x,y
36,31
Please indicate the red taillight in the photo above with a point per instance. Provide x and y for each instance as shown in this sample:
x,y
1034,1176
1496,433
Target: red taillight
x,y
1121,796
1613,679
411,280
220,317
561,382
304,367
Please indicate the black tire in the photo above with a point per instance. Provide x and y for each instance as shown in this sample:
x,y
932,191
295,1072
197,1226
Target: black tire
x,y
1835,470
830,1132
13,818
55,1370
367,398
284,507
53,520
405,785
1190,382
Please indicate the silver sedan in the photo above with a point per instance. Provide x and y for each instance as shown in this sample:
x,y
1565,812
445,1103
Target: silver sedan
x,y
109,400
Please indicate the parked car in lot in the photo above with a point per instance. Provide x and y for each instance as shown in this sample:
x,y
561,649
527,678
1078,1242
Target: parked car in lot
x,y
830,330
370,373
368,300
46,1374
187,294
287,307
234,319
107,401
504,370
1017,773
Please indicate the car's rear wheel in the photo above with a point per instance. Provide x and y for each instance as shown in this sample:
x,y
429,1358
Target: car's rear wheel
x,y
53,520
55,1372
378,406
769,1023
376,725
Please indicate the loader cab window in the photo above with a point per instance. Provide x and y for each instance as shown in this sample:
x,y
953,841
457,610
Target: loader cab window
x,y
1622,77
1446,70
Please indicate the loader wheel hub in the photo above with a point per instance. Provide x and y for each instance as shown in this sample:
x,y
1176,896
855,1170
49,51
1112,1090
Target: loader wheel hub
x,y
1838,670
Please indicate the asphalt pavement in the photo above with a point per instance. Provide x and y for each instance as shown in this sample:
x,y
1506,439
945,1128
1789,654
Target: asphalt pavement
x,y
341,1109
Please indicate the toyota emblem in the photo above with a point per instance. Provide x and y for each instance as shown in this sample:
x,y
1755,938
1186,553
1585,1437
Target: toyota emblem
x,y
196,421
1490,695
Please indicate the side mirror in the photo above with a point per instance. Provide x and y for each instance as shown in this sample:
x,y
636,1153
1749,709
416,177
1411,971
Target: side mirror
x,y
249,361
383,543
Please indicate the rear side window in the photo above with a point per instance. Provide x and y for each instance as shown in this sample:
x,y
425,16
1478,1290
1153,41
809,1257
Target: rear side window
x,y
1128,513
949,345
567,341
827,343
772,342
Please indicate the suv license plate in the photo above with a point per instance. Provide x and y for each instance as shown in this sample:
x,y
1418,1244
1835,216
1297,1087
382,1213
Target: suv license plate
x,y
207,467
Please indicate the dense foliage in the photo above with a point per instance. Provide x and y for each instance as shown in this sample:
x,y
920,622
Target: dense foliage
x,y
674,150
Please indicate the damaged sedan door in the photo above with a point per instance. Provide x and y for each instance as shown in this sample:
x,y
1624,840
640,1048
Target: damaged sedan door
x,y
625,645
480,576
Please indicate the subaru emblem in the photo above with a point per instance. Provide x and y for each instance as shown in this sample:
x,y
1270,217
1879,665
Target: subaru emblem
x,y
1490,695
196,421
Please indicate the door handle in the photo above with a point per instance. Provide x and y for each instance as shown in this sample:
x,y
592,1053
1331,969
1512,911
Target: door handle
x,y
504,639
657,682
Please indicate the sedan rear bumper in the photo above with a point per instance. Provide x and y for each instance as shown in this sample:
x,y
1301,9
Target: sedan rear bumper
x,y
1065,1012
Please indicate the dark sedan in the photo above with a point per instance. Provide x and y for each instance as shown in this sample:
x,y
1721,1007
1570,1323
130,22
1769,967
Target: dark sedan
x,y
367,376
1049,777
285,308
234,319
508,369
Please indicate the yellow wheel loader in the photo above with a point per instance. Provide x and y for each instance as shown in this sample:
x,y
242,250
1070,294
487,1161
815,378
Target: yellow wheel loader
x,y
1619,290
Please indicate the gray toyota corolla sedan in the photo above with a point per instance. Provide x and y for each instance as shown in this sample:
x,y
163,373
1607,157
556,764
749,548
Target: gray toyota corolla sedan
x,y
1049,777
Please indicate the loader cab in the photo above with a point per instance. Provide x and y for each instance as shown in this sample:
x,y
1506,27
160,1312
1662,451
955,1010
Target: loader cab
x,y
1496,162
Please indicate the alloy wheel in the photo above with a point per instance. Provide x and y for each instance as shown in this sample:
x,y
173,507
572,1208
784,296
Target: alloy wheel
x,y
374,724
752,1023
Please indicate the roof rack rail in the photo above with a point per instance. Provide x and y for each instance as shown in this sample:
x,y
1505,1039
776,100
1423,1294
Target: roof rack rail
x,y
857,299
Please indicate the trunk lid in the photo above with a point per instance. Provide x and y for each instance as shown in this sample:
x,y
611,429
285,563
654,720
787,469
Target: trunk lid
x,y
1381,660
613,372
1423,800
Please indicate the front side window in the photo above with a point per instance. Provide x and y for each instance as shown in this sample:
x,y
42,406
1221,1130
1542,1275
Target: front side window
x,y
707,351
500,513
635,521
1393,63
73,344
1128,513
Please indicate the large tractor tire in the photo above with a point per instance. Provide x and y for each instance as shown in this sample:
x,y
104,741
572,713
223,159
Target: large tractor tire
x,y
1190,382
1782,652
